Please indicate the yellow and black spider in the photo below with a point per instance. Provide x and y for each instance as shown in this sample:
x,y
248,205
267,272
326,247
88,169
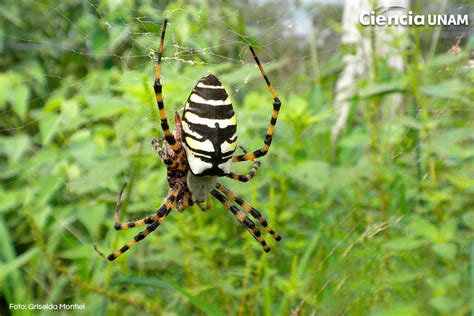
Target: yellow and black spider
x,y
199,150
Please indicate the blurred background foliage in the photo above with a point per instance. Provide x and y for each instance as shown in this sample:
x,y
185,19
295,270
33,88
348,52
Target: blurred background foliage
x,y
380,223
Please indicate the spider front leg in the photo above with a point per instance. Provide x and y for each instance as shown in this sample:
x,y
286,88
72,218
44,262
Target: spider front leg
x,y
128,225
169,200
243,219
276,109
158,218
150,228
249,208
158,88
248,176
158,146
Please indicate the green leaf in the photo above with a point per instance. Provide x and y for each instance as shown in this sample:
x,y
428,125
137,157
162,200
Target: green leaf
x,y
104,111
303,263
99,174
397,310
314,174
404,244
11,199
468,219
117,36
383,88
20,100
316,98
78,252
47,185
452,279
102,107
53,103
448,89
48,126
411,122
404,276
14,146
445,304
447,250
424,228
16,278
92,223
205,307
11,266
100,42
451,143
249,72
444,60
356,139
69,108
448,230
13,15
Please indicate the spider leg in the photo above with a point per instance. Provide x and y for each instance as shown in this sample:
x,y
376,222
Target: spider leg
x,y
248,176
114,255
276,108
158,88
158,218
168,202
249,208
243,219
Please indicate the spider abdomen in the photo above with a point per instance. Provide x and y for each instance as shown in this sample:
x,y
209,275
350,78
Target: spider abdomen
x,y
209,128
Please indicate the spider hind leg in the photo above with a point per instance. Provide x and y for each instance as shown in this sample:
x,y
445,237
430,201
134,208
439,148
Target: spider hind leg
x,y
153,220
243,219
248,176
249,209
146,220
114,255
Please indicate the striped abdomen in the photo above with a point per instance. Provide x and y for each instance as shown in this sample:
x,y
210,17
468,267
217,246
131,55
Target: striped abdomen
x,y
209,128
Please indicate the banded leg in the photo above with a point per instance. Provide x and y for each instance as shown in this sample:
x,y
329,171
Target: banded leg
x,y
158,88
276,109
111,257
243,219
248,176
249,208
160,216
168,202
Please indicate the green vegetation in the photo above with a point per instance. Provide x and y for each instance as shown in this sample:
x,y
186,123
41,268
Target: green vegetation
x,y
381,223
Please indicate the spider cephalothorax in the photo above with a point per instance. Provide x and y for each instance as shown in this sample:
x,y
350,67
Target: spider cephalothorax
x,y
176,165
198,152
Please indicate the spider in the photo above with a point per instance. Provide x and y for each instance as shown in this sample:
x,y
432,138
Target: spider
x,y
200,150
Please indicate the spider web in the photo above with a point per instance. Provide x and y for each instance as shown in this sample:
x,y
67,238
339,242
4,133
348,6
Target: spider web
x,y
283,38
